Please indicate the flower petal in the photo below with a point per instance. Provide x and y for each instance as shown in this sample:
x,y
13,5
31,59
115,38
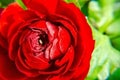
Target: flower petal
x,y
64,39
55,50
20,20
86,43
42,5
52,29
35,62
74,14
71,29
67,59
13,46
3,42
83,63
1,9
8,70
22,69
7,18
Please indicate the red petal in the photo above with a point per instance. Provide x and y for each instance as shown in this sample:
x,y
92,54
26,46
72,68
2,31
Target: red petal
x,y
1,77
55,78
58,77
67,23
40,77
58,71
40,64
22,69
35,62
67,59
3,42
1,9
55,51
7,18
76,16
86,43
13,46
53,30
42,5
71,28
64,39
39,25
19,21
22,59
8,70
47,52
83,63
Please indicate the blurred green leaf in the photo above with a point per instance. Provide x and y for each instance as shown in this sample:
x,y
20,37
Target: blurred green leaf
x,y
4,3
114,28
105,59
21,4
104,15
115,75
116,42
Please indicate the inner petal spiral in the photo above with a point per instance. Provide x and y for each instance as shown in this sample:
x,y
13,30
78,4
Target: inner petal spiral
x,y
38,40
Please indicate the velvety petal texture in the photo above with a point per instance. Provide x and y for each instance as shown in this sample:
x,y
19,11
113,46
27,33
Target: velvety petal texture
x,y
1,9
50,40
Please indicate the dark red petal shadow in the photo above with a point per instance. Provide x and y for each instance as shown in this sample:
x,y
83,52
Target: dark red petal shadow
x,y
1,9
3,42
8,70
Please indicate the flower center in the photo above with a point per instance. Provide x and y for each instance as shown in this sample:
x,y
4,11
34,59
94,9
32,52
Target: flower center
x,y
43,40
38,40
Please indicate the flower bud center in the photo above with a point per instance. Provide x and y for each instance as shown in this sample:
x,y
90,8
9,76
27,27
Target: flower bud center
x,y
43,40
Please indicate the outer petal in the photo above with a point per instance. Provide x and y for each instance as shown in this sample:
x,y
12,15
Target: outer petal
x,y
8,70
42,6
3,42
7,18
74,14
21,19
85,59
1,11
85,44
13,17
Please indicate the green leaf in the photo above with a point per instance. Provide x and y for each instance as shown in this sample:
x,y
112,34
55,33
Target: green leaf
x,y
114,28
104,15
4,3
113,31
115,75
21,4
105,59
116,42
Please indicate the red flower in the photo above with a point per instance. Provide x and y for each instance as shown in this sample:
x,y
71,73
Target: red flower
x,y
51,40
1,11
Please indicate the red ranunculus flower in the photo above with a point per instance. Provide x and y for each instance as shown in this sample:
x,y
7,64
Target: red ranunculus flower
x,y
50,40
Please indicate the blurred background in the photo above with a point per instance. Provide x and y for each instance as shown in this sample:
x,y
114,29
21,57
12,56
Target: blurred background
x,y
103,17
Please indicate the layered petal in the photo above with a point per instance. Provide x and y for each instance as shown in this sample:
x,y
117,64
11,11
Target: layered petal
x,y
1,9
74,14
64,39
7,68
85,45
42,6
3,42
6,18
